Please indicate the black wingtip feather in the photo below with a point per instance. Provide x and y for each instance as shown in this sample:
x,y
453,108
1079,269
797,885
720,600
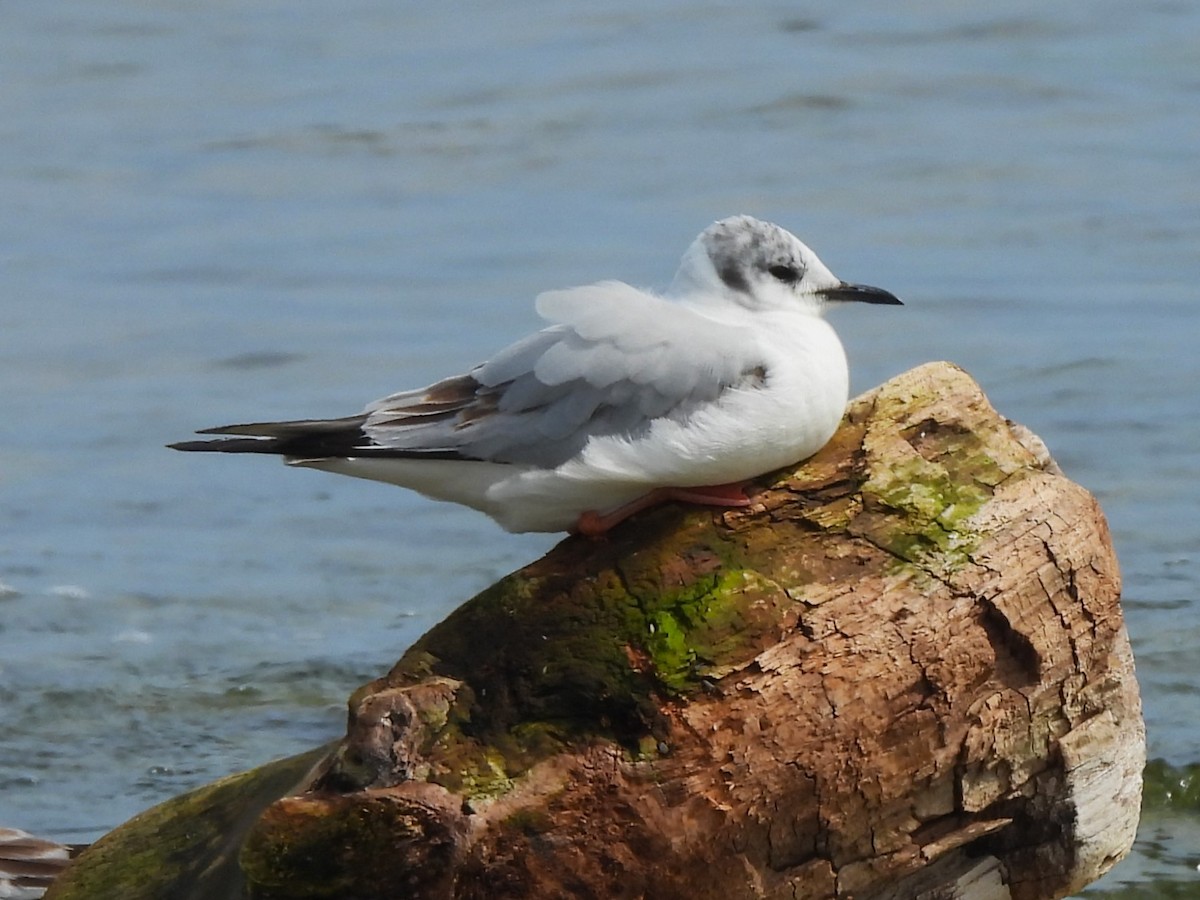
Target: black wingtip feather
x,y
312,449
298,428
312,439
232,445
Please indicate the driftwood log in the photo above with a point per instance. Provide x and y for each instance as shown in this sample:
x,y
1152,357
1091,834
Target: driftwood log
x,y
902,673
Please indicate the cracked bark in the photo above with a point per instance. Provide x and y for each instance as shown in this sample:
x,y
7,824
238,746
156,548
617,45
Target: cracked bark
x,y
902,673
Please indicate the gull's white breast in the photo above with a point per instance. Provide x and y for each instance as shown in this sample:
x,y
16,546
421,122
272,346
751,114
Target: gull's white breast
x,y
746,432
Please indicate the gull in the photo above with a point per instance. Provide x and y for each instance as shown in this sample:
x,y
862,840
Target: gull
x,y
627,399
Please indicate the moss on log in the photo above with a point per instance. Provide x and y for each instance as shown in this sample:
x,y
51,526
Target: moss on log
x,y
186,848
901,673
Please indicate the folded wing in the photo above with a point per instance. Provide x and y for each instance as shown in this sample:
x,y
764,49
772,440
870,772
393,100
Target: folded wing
x,y
614,359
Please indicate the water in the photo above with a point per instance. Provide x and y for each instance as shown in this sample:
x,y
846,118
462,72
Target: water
x,y
226,212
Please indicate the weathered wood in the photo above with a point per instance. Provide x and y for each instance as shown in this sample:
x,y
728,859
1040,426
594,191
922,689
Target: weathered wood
x,y
901,674
186,848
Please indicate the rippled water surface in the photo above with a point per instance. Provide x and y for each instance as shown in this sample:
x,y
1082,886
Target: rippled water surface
x,y
224,211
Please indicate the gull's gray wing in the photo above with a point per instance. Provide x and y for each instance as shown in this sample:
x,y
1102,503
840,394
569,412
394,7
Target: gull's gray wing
x,y
616,359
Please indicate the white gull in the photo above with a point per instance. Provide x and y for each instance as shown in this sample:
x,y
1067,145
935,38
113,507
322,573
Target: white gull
x,y
627,399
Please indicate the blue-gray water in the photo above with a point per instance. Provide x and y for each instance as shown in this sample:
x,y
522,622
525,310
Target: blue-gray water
x,y
224,211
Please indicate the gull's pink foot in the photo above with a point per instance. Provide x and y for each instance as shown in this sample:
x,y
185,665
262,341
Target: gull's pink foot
x,y
593,524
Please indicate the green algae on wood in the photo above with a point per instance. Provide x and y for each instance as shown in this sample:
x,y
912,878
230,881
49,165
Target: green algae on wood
x,y
329,846
930,472
186,848
595,655
572,660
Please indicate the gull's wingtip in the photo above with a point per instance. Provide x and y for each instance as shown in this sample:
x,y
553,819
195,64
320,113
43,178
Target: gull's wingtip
x,y
195,445
218,444
257,428
307,437
228,445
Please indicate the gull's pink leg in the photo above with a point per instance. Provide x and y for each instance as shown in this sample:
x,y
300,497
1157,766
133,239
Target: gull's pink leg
x,y
593,524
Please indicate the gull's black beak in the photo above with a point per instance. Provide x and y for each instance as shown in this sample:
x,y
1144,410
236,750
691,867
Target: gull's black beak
x,y
862,293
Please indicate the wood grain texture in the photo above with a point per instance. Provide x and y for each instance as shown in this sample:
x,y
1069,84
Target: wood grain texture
x,y
902,673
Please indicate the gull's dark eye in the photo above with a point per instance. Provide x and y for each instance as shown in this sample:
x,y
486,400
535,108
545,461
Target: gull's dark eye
x,y
786,274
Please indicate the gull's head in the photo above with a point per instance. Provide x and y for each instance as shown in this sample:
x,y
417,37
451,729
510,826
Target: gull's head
x,y
760,266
